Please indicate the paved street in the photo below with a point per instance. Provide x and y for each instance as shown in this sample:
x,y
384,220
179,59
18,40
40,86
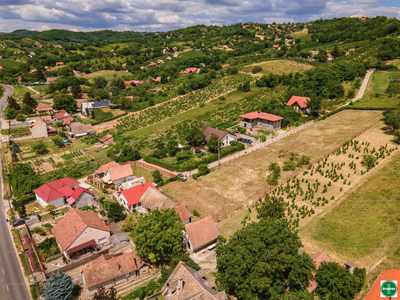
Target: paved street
x,y
12,283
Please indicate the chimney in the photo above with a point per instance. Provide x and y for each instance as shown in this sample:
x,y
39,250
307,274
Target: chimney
x,y
179,287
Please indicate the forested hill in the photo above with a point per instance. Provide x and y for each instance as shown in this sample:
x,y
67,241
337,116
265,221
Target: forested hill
x,y
77,37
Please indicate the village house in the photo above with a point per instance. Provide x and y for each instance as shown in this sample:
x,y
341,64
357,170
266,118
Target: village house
x,y
183,213
80,198
225,138
59,63
261,120
67,122
62,114
114,173
188,284
79,130
56,192
106,271
107,140
318,259
144,198
276,46
79,103
76,73
42,128
88,107
299,103
329,56
80,230
201,234
169,58
44,108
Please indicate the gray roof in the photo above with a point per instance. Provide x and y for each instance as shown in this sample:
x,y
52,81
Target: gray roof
x,y
83,128
349,264
119,237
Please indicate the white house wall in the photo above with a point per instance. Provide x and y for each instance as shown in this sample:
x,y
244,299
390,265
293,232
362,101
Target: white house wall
x,y
89,233
57,202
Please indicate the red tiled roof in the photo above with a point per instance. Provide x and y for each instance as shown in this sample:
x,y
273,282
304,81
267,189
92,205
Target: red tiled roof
x,y
275,46
77,193
134,194
261,115
375,291
104,169
119,172
301,101
56,189
202,232
329,55
73,223
191,70
103,271
182,211
62,115
208,131
43,106
105,138
81,246
318,259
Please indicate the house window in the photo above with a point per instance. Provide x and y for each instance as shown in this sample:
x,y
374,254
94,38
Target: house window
x,y
102,241
127,275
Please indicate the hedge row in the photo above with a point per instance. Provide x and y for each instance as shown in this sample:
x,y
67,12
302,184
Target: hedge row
x,y
235,146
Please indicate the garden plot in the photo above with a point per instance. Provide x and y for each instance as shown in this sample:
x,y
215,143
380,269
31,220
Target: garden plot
x,y
279,67
243,180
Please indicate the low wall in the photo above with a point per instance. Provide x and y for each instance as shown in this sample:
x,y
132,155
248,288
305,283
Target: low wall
x,y
151,167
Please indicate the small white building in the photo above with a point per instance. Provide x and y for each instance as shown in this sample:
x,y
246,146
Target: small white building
x,y
225,138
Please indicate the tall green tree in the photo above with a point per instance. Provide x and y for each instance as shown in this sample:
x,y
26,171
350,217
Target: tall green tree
x,y
29,100
40,148
261,259
66,102
271,207
213,143
158,235
58,286
195,137
12,103
337,283
23,180
115,211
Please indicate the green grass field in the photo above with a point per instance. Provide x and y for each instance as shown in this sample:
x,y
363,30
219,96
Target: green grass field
x,y
379,102
363,228
380,80
17,132
146,173
279,67
107,74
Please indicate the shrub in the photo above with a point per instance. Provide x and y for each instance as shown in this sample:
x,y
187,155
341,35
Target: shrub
x,y
289,165
222,238
196,213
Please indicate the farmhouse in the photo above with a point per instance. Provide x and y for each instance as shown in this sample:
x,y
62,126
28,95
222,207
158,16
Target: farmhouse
x,y
107,272
80,198
318,258
79,130
62,114
107,140
299,103
261,120
145,197
56,192
114,173
187,283
44,108
42,128
88,107
201,234
224,137
79,230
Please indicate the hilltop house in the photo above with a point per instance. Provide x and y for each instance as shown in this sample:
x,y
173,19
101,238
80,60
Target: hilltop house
x,y
224,137
189,284
107,272
261,120
114,173
79,230
299,103
42,128
201,234
56,192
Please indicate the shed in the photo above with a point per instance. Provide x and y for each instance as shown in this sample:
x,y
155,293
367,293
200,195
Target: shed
x,y
349,265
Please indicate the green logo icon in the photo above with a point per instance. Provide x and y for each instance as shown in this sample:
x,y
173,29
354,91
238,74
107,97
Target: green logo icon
x,y
389,288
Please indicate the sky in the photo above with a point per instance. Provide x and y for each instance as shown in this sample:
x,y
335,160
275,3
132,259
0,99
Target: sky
x,y
164,15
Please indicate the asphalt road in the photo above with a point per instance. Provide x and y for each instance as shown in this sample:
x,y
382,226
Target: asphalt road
x,y
12,282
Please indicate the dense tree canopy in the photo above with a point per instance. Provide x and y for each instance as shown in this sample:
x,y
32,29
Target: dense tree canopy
x,y
260,258
66,102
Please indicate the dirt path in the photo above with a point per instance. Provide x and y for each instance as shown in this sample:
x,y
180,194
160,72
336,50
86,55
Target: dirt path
x,y
33,90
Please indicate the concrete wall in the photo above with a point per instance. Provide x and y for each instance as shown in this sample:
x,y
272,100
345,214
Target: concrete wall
x,y
83,200
89,233
57,202
39,131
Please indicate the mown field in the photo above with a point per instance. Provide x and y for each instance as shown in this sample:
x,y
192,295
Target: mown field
x,y
244,179
279,67
107,74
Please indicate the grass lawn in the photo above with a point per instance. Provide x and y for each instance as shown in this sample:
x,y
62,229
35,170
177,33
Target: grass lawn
x,y
107,74
280,67
21,91
17,131
363,228
243,180
67,156
380,80
146,173
26,145
382,101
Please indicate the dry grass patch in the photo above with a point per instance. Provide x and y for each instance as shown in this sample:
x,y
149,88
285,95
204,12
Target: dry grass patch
x,y
243,180
279,67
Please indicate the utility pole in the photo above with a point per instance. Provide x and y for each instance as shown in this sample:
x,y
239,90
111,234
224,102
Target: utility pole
x,y
134,158
219,163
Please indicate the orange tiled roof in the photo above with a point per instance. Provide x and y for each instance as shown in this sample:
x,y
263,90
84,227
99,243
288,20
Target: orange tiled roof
x,y
202,232
301,101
